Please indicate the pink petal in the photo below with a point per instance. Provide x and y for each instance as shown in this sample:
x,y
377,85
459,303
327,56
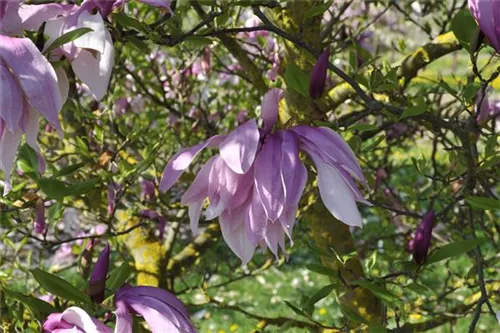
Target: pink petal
x,y
34,15
233,231
268,181
240,146
275,236
35,75
10,21
63,83
93,40
257,220
487,16
335,193
11,99
95,72
123,318
270,108
181,161
9,142
75,315
329,143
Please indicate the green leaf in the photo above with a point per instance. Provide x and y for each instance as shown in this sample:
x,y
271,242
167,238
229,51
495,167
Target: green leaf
x,y
59,287
67,37
82,187
413,111
320,294
452,250
296,79
53,188
28,161
118,276
471,90
317,10
351,314
363,127
198,41
379,291
296,309
69,169
130,22
320,269
374,144
483,203
355,142
463,26
39,307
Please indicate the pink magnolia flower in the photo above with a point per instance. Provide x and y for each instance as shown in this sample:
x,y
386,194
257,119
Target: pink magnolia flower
x,y
162,311
254,185
91,55
29,89
486,14
73,320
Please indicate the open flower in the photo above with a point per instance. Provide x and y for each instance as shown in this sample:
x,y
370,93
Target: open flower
x,y
73,320
29,89
91,55
486,14
254,185
162,311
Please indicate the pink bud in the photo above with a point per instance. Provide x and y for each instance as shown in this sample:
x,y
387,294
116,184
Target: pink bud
x,y
97,282
318,75
422,240
39,217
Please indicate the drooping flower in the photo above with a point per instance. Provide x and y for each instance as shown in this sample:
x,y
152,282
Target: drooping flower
x,y
162,311
422,241
29,89
97,282
73,320
317,81
39,225
254,185
486,13
91,55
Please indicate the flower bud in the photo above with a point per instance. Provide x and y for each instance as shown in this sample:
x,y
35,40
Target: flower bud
x,y
86,258
39,217
422,240
318,75
97,282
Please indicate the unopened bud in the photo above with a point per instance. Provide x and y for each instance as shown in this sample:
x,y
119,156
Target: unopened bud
x,y
40,224
318,75
422,240
97,282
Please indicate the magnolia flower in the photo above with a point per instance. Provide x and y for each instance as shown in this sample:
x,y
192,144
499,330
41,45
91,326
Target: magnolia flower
x,y
73,320
91,55
29,89
97,282
486,14
162,311
318,75
422,241
147,189
254,185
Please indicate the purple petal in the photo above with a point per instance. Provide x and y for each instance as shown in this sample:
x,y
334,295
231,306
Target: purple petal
x,y
486,15
181,161
123,318
257,220
9,142
34,15
332,145
294,177
235,235
240,146
270,108
275,236
10,21
268,181
11,99
35,75
335,193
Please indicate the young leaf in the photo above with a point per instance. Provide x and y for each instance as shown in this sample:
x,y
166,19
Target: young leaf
x,y
296,79
317,10
379,291
320,294
483,203
67,37
59,287
453,250
413,111
463,26
118,276
39,307
321,270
